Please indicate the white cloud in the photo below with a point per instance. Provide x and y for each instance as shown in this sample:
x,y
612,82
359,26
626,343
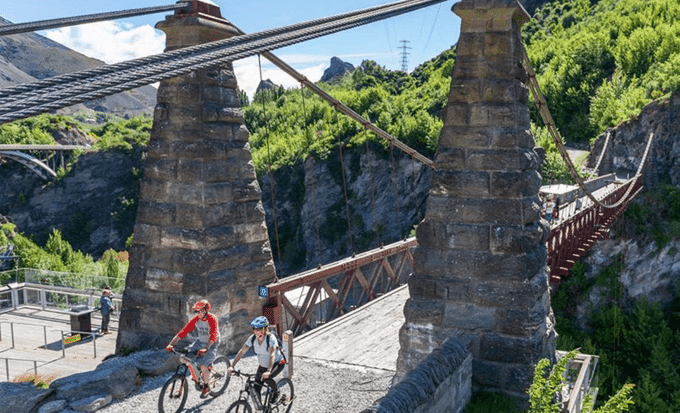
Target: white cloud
x,y
111,42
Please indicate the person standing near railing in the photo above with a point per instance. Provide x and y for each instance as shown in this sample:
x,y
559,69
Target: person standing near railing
x,y
106,307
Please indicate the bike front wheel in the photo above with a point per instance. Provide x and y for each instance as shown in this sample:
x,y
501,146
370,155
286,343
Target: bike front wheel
x,y
286,395
219,377
173,395
239,406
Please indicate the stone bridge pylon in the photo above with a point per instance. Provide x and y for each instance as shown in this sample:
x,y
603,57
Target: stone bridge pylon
x,y
200,229
480,264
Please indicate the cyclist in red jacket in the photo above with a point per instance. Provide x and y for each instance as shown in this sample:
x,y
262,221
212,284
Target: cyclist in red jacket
x,y
205,345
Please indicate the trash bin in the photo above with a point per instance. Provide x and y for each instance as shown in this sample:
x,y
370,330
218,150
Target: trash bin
x,y
81,319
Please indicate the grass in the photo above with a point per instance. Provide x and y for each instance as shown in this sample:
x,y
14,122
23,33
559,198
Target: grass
x,y
38,380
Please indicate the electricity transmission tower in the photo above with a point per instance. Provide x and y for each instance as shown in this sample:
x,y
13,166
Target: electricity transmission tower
x,y
404,55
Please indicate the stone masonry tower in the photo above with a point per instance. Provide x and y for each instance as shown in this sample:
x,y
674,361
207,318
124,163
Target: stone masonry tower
x,y
200,229
480,265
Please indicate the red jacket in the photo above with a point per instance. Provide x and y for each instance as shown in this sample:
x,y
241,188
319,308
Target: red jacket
x,y
207,330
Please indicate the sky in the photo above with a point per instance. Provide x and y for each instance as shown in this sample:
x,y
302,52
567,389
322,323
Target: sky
x,y
428,31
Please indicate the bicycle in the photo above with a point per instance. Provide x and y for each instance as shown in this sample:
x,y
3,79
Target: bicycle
x,y
282,404
175,391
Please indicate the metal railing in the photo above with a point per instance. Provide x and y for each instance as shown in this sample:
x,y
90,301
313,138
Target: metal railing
x,y
571,238
47,298
579,376
306,300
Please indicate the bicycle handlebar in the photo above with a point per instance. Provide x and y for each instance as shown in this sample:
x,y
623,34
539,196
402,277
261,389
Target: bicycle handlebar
x,y
240,373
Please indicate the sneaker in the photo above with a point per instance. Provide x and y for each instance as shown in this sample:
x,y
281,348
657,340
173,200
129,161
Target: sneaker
x,y
205,392
275,397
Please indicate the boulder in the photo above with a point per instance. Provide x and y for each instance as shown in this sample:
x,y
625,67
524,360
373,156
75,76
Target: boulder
x,y
20,397
91,404
154,362
113,377
54,406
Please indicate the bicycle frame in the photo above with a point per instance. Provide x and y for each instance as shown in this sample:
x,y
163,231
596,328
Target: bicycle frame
x,y
190,365
249,392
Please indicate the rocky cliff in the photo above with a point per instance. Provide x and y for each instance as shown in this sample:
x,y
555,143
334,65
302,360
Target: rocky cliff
x,y
627,143
93,206
648,269
337,70
351,202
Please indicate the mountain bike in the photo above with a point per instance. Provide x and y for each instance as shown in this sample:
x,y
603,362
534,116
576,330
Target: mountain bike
x,y
175,391
282,404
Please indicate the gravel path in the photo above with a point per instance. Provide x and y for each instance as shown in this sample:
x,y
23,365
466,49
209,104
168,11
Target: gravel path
x,y
320,386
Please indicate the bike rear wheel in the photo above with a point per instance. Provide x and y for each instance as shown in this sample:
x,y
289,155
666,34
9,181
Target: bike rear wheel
x,y
286,395
219,378
239,406
173,395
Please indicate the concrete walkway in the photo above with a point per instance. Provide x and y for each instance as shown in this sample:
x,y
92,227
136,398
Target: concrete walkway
x,y
31,339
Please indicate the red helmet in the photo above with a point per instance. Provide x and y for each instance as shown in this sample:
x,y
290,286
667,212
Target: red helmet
x,y
201,304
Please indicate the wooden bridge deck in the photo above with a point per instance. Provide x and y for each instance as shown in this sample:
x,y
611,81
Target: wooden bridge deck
x,y
367,336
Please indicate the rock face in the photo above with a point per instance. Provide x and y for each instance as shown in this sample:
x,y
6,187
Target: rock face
x,y
266,84
628,141
337,70
385,197
647,272
93,206
29,57
480,265
200,231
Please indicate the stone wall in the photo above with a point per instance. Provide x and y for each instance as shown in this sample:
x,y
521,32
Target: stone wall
x,y
440,384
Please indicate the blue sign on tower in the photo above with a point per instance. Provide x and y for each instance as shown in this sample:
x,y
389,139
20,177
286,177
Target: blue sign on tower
x,y
263,291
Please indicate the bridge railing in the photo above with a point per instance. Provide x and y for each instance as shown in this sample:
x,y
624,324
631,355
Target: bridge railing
x,y
572,237
48,297
306,300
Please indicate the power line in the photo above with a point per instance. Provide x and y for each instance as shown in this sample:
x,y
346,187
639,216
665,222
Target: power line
x,y
404,55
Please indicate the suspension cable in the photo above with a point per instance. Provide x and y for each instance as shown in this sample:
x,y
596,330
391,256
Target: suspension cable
x,y
167,56
89,18
604,149
226,51
311,173
272,184
339,106
344,187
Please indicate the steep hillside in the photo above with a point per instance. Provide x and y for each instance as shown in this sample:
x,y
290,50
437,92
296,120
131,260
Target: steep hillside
x,y
29,57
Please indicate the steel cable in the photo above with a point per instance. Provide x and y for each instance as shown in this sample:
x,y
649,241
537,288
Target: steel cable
x,y
179,53
90,18
132,79
65,81
138,77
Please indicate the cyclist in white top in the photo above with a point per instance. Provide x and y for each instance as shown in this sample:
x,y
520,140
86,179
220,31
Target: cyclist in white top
x,y
269,356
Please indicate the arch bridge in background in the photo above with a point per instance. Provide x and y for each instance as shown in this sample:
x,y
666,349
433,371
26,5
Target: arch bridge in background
x,y
51,154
